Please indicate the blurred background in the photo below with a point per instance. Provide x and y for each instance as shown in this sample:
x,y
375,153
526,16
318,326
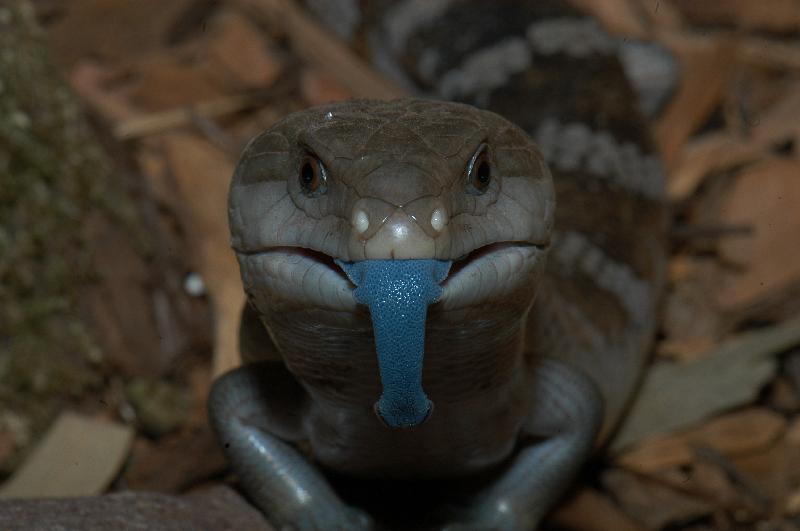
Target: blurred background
x,y
120,124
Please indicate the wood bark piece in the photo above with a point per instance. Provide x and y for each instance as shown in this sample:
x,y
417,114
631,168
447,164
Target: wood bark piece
x,y
322,50
214,509
78,456
674,396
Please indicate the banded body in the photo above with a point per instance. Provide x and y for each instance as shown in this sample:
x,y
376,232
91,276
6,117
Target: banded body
x,y
558,75
519,348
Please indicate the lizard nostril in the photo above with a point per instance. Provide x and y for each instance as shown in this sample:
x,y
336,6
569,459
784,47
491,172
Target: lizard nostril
x,y
360,221
438,219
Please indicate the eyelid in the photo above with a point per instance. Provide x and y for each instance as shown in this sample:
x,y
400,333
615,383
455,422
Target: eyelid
x,y
322,172
482,148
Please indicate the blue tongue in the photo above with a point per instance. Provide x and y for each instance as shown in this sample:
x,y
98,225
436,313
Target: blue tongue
x,y
398,293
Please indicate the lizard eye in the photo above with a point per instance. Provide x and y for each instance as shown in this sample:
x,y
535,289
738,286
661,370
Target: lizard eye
x,y
313,176
479,171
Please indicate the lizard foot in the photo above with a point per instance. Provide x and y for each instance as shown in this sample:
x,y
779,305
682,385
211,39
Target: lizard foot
x,y
342,519
496,515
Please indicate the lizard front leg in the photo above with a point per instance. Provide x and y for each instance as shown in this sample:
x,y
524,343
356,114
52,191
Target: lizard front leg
x,y
254,409
566,417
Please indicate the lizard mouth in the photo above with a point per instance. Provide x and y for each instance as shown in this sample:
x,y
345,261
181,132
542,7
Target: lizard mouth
x,y
484,272
461,265
465,263
397,293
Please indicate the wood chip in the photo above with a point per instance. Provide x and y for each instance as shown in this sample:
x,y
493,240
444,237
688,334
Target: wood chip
x,y
90,81
78,456
147,124
735,433
202,173
674,396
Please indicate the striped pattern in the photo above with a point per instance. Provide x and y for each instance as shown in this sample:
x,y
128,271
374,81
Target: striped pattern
x,y
556,74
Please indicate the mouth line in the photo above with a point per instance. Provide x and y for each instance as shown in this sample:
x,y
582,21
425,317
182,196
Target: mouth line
x,y
459,264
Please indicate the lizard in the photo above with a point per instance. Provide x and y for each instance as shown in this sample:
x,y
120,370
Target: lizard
x,y
436,291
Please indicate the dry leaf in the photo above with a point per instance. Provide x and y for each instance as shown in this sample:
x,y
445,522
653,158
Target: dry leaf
x,y
707,65
318,88
239,54
676,395
735,433
113,29
123,306
174,79
762,197
588,510
770,15
691,322
706,155
774,471
651,503
617,16
705,480
781,121
321,50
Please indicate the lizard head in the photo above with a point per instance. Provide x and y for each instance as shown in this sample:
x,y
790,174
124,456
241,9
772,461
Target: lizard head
x,y
396,205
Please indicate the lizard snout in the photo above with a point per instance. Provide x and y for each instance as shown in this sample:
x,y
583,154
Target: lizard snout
x,y
383,231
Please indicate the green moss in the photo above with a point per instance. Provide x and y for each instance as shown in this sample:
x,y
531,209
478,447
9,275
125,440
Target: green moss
x,y
54,176
160,406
